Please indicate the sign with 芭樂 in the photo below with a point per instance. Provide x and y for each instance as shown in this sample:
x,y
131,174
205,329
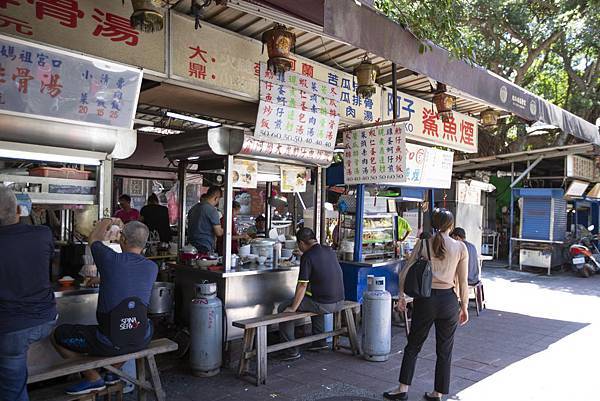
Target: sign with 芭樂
x,y
428,167
46,82
297,110
424,125
375,155
96,27
222,60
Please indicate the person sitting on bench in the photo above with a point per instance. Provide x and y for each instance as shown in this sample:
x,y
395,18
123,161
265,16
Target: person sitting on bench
x,y
125,286
320,289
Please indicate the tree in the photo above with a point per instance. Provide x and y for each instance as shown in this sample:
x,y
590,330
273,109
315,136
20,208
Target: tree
x,y
550,47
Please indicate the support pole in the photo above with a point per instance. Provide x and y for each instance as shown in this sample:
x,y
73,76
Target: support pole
x,y
322,206
358,222
512,215
524,173
318,205
228,212
268,217
394,92
181,168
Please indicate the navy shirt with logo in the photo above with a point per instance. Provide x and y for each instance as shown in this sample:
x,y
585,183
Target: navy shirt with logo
x,y
26,295
319,267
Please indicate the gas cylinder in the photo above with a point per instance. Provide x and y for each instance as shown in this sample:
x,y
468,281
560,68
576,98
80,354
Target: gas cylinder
x,y
377,321
206,331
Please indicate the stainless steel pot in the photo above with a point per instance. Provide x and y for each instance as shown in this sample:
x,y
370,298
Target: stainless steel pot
x,y
161,298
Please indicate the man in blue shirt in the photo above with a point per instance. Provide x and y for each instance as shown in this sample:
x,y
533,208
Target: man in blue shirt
x,y
27,306
204,221
126,281
459,234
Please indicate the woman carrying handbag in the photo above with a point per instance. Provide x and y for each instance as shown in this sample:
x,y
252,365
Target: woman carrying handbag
x,y
443,261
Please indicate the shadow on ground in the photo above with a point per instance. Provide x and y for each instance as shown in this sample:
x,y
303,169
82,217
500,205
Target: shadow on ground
x,y
488,344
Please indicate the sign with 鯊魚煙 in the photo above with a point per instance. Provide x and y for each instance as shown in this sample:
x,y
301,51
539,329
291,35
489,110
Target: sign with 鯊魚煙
x,y
424,125
50,83
375,155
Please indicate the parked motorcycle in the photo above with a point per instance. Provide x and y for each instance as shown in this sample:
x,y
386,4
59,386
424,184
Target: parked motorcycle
x,y
585,254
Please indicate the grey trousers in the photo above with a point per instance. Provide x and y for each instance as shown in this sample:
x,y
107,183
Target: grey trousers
x,y
286,329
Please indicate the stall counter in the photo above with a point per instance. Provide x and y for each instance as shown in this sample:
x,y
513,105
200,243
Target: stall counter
x,y
355,276
244,293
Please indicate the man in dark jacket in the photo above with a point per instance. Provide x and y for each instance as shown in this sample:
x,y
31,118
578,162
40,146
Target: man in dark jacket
x,y
27,306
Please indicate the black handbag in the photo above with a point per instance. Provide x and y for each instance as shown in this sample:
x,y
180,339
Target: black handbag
x,y
418,278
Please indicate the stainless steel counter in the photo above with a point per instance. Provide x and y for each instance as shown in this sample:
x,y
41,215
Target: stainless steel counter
x,y
74,306
374,262
244,293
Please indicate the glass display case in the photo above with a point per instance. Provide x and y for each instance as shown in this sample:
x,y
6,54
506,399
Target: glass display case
x,y
379,234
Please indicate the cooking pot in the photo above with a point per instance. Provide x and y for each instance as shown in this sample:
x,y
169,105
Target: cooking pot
x,y
161,298
263,247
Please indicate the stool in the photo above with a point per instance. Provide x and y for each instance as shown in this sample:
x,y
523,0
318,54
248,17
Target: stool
x,y
479,296
405,315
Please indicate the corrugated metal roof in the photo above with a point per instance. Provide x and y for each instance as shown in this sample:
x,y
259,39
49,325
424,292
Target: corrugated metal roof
x,y
332,53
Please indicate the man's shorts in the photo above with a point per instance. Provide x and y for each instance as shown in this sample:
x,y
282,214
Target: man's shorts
x,y
83,339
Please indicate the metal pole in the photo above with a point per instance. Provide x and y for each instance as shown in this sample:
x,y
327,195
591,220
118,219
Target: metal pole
x,y
268,222
358,220
394,92
104,181
318,205
182,204
323,200
524,173
228,212
512,216
377,124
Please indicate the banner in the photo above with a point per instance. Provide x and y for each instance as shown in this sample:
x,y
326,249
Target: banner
x,y
428,167
375,155
96,27
45,82
459,132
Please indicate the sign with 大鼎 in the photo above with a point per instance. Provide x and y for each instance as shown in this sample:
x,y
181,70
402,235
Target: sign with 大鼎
x,y
424,125
52,83
297,110
375,155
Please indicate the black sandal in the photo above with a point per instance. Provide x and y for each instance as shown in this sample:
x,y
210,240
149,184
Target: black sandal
x,y
430,398
395,396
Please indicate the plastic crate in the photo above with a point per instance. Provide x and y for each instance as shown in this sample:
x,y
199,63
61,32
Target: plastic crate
x,y
64,172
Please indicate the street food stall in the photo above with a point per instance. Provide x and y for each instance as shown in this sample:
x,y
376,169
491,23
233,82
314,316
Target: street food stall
x,y
57,142
247,289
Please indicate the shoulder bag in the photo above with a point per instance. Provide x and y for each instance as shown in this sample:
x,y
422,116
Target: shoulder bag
x,y
418,278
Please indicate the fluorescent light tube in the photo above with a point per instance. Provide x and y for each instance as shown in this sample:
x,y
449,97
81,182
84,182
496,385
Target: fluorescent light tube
x,y
49,157
192,119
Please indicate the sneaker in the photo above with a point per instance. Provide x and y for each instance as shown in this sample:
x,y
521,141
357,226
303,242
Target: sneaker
x,y
86,387
111,378
289,356
318,346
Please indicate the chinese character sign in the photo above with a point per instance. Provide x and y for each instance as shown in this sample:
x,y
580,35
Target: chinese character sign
x,y
245,173
375,155
293,179
428,167
45,82
459,132
96,27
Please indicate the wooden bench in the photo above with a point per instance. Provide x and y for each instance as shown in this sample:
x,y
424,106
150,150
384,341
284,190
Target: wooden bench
x,y
113,392
255,331
143,357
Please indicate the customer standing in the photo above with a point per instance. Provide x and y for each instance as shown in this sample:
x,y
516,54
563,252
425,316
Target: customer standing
x,y
204,221
449,259
473,276
156,217
126,213
27,306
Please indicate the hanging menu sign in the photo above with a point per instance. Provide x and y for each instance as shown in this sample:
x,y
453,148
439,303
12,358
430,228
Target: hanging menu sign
x,y
52,83
297,110
375,155
428,167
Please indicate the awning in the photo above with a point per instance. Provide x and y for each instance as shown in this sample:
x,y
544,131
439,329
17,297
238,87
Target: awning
x,y
363,27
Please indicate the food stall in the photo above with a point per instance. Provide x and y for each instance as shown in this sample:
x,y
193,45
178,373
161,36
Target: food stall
x,y
246,289
58,138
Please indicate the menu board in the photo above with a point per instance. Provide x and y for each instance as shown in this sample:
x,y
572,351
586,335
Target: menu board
x,y
297,110
245,174
48,82
375,155
428,167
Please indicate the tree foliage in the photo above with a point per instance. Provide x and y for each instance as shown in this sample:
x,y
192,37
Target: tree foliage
x,y
550,47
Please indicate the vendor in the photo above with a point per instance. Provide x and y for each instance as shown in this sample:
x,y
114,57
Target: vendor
x,y
235,237
156,217
126,213
260,227
204,221
404,229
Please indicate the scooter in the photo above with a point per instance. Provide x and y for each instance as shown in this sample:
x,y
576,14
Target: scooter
x,y
585,255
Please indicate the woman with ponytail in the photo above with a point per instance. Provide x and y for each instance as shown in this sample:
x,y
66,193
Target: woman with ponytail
x,y
449,266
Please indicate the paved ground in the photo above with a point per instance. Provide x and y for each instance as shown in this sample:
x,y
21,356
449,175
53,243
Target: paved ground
x,y
538,340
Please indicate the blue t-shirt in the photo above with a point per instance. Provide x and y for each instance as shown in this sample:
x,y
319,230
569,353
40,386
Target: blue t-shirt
x,y
201,221
122,275
473,276
26,295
